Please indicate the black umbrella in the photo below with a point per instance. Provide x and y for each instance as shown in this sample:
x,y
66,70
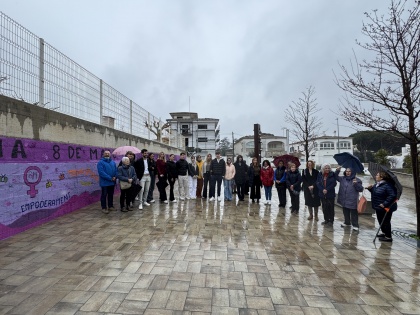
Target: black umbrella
x,y
374,168
348,160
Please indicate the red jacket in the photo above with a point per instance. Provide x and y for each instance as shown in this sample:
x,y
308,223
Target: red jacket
x,y
267,176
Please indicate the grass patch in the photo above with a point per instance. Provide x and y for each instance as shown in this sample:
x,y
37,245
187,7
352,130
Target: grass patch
x,y
414,236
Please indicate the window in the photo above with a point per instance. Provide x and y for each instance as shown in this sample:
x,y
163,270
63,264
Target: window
x,y
326,146
344,145
201,139
184,128
201,126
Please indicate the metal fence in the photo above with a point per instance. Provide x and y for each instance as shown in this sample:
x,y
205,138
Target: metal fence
x,y
35,72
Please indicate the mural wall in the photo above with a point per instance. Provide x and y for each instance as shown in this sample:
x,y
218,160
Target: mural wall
x,y
41,180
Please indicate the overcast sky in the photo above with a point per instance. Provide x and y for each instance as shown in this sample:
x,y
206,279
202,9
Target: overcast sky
x,y
241,61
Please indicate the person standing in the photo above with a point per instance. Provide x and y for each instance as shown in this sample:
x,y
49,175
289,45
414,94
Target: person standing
x,y
310,190
293,183
228,180
280,180
192,177
152,172
255,184
107,170
384,197
172,176
348,196
267,179
162,177
326,183
241,173
182,170
206,174
200,177
135,187
126,173
141,166
217,173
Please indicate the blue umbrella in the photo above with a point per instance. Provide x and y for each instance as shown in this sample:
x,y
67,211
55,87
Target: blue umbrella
x,y
348,160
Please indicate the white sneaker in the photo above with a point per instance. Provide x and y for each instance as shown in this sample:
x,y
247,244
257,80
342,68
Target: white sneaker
x,y
219,199
211,199
355,228
174,201
182,198
193,197
269,202
188,198
152,201
166,201
146,203
141,206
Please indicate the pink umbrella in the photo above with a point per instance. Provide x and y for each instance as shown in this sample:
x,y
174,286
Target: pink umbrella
x,y
123,150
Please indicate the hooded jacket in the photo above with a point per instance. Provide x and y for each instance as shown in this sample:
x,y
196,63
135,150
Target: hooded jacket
x,y
348,193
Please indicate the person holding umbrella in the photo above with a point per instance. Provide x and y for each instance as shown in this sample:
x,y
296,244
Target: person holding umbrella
x,y
348,196
384,196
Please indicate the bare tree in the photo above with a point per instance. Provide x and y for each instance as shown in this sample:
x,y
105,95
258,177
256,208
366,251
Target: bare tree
x,y
302,114
383,93
156,128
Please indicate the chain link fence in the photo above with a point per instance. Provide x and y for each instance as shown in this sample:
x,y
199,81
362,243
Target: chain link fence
x,y
35,72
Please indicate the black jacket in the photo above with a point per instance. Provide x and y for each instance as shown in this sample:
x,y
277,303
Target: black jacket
x,y
295,179
171,170
182,167
192,171
241,173
218,168
385,194
139,167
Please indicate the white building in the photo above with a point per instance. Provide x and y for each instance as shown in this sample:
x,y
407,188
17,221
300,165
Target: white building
x,y
324,149
194,134
271,146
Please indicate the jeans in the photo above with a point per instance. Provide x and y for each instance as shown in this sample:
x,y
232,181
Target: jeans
x,y
192,182
107,191
213,180
152,187
281,191
267,190
228,188
183,186
145,185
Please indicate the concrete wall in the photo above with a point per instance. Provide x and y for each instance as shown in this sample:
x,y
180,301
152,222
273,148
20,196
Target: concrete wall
x,y
48,163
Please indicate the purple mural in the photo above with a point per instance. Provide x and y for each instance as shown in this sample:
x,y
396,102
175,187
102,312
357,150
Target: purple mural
x,y
42,180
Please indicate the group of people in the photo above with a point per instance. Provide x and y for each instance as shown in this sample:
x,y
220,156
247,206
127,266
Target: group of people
x,y
197,177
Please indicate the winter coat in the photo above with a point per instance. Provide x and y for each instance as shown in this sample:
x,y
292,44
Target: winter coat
x,y
295,179
171,170
267,176
125,172
107,169
348,193
182,167
311,197
241,173
280,175
251,175
383,193
329,185
193,170
161,167
230,171
200,169
218,167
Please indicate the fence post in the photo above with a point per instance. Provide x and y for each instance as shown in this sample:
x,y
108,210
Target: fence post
x,y
131,117
101,101
41,73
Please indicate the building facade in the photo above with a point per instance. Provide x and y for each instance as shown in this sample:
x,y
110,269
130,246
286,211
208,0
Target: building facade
x,y
323,149
193,134
271,146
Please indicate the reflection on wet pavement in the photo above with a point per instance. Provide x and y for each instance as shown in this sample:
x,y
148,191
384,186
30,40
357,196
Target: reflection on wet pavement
x,y
200,257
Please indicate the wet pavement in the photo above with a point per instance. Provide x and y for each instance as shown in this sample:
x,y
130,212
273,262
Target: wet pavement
x,y
200,257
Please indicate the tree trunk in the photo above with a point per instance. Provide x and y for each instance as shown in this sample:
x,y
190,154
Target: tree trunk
x,y
415,165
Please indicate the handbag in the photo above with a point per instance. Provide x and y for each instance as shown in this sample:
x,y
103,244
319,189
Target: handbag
x,y
125,185
361,204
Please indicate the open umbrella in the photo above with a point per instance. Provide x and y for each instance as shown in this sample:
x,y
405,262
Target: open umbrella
x,y
286,158
374,168
123,150
348,160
